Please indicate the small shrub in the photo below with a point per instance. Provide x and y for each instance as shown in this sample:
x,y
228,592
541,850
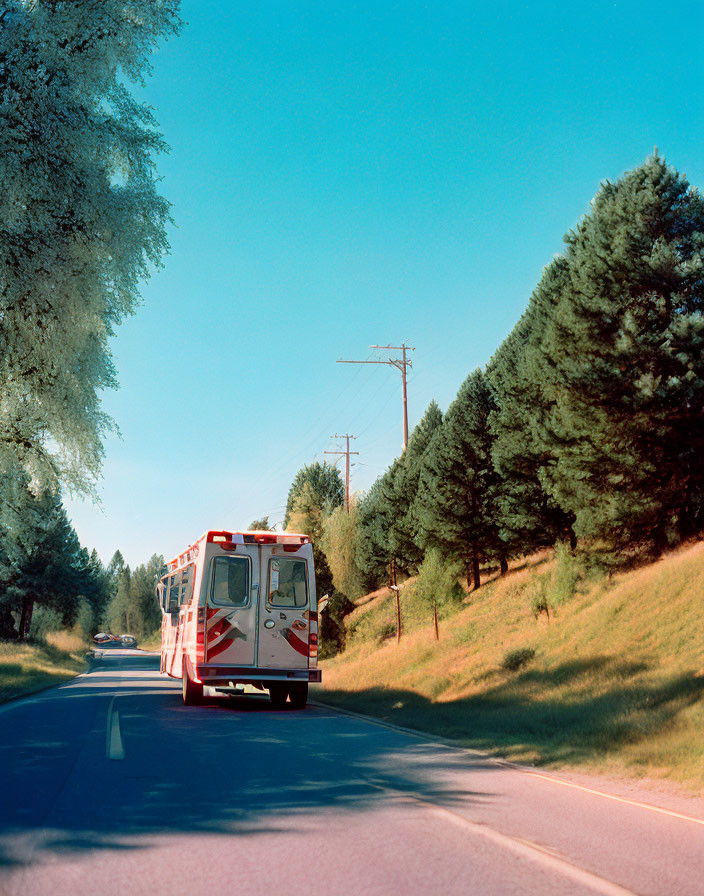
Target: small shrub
x,y
44,620
86,621
555,588
438,580
539,597
566,575
517,658
437,584
387,631
465,635
438,686
333,633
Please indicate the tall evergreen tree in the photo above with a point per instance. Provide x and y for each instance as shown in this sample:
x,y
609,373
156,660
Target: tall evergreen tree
x,y
622,363
456,507
404,526
41,559
119,614
142,615
372,552
529,517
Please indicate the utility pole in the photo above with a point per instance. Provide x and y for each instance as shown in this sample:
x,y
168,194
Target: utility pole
x,y
347,464
401,364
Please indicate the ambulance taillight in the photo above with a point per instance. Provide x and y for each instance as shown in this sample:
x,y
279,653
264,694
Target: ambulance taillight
x,y
200,636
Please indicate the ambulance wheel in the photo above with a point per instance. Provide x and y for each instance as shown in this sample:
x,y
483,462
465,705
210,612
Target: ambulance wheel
x,y
299,694
277,694
192,691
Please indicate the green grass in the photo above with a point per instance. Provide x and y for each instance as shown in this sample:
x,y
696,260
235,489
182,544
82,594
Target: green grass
x,y
29,667
153,642
517,658
616,683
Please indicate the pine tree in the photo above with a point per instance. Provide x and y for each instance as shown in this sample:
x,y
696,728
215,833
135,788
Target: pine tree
x,y
621,364
391,508
456,507
529,517
404,528
118,614
41,559
372,552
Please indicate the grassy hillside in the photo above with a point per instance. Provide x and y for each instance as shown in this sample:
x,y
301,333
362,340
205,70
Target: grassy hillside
x,y
25,668
615,683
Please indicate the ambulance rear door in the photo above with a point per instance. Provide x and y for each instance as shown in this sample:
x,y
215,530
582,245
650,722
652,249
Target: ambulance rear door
x,y
232,605
287,601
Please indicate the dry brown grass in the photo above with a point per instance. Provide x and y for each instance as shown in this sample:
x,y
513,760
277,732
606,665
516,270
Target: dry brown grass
x,y
617,682
67,641
153,642
25,668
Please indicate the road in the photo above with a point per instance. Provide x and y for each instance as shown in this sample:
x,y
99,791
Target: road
x,y
110,785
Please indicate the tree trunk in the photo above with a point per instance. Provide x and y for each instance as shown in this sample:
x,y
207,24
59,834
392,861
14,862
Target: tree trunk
x,y
573,539
435,620
26,617
503,563
398,617
476,581
398,602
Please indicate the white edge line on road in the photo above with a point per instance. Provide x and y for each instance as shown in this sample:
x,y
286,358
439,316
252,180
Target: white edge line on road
x,y
609,796
530,851
512,765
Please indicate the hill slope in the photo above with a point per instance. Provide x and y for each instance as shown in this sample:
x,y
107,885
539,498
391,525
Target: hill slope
x,y
616,683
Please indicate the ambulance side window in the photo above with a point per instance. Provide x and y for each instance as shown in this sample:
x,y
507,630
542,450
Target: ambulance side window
x,y
174,589
162,592
230,582
187,585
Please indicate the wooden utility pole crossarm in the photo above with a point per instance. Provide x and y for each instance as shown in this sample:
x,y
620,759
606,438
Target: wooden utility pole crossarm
x,y
402,364
347,454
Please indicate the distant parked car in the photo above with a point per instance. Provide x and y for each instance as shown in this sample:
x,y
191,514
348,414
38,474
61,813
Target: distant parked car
x,y
128,640
102,637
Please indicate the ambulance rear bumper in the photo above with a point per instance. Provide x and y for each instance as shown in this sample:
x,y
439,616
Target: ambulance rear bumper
x,y
211,674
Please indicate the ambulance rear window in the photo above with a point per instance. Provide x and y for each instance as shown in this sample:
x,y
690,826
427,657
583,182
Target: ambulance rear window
x,y
230,582
288,582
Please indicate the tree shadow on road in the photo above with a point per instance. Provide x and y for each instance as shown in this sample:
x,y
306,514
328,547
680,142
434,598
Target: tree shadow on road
x,y
230,766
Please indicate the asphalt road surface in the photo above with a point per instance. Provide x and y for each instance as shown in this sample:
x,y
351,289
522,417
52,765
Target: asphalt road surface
x,y
109,784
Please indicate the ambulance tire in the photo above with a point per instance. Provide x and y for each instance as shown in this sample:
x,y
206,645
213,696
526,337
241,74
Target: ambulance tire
x,y
278,692
192,691
299,694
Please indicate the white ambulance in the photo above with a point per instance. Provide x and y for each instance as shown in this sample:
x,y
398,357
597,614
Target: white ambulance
x,y
239,608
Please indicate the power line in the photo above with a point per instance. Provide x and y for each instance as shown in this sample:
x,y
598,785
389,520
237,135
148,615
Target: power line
x,y
346,454
401,364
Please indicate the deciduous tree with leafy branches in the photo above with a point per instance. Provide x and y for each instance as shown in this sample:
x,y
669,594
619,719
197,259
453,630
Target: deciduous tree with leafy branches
x,y
82,223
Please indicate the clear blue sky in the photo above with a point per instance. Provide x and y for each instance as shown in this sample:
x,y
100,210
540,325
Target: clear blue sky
x,y
351,173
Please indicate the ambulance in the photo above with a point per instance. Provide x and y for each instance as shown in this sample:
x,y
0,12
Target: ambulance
x,y
239,608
